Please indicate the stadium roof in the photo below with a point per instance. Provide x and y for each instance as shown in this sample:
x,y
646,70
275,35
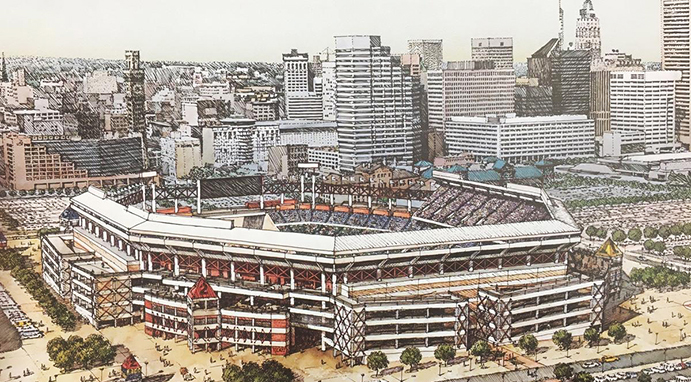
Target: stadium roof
x,y
140,224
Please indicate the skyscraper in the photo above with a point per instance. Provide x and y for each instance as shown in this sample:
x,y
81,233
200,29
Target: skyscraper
x,y
675,56
499,50
571,82
301,99
134,83
374,105
4,78
431,53
588,30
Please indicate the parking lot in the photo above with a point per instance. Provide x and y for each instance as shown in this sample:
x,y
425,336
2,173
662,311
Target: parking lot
x,y
34,213
22,323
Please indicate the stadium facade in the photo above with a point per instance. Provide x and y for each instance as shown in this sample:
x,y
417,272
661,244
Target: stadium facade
x,y
474,261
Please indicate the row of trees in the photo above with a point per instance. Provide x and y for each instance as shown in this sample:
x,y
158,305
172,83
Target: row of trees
x,y
564,372
11,259
411,357
269,371
77,352
56,310
659,277
636,234
52,191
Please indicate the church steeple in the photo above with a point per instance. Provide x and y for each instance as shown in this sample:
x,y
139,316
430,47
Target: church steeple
x,y
4,69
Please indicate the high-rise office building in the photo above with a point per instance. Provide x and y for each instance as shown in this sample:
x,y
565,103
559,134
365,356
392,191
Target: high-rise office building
x,y
3,76
374,105
431,53
499,50
588,30
642,104
134,93
571,82
301,99
676,56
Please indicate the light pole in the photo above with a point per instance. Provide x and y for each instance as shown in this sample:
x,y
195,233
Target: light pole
x,y
362,377
101,368
146,371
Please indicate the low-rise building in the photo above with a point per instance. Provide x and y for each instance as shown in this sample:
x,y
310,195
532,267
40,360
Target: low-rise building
x,y
179,155
522,139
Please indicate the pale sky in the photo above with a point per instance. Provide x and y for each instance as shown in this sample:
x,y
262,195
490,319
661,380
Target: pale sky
x,y
260,30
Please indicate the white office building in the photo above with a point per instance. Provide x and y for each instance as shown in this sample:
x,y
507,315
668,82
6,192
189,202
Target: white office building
x,y
229,143
179,155
496,49
522,139
327,157
328,90
643,101
588,31
374,105
676,55
301,99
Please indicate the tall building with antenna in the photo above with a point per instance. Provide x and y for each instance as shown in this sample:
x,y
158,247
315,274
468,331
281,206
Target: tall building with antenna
x,y
4,69
588,31
134,82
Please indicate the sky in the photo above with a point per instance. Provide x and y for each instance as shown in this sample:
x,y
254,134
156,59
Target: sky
x,y
260,30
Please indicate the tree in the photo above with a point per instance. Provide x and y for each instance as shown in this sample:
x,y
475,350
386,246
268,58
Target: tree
x,y
481,349
377,361
528,343
583,377
592,335
650,232
675,229
643,377
686,229
85,356
664,232
444,353
635,234
619,236
563,371
274,371
411,356
563,340
617,331
648,245
55,347
65,360
601,233
659,246
591,231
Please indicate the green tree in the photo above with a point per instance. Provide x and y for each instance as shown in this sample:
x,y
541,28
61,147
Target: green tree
x,y
635,234
591,231
675,229
377,361
445,353
643,377
619,236
232,373
583,377
55,346
601,233
274,371
648,245
617,331
65,360
686,229
650,232
85,356
592,335
664,232
659,246
563,340
411,356
563,371
528,343
481,349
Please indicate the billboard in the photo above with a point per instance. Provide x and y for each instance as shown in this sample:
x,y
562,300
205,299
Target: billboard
x,y
228,187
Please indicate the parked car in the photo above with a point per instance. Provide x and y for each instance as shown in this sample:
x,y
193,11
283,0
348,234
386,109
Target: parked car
x,y
609,358
591,364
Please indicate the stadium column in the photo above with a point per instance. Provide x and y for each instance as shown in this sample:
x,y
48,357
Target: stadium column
x,y
292,279
176,262
232,271
203,267
141,259
344,289
177,209
199,196
369,201
390,204
153,197
144,197
302,188
261,202
149,262
262,278
410,205
331,198
334,288
323,292
314,191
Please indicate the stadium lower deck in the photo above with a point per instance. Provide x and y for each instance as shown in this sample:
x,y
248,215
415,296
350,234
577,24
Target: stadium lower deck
x,y
353,279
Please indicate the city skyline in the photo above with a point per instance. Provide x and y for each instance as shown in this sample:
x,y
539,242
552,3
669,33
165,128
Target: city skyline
x,y
105,30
